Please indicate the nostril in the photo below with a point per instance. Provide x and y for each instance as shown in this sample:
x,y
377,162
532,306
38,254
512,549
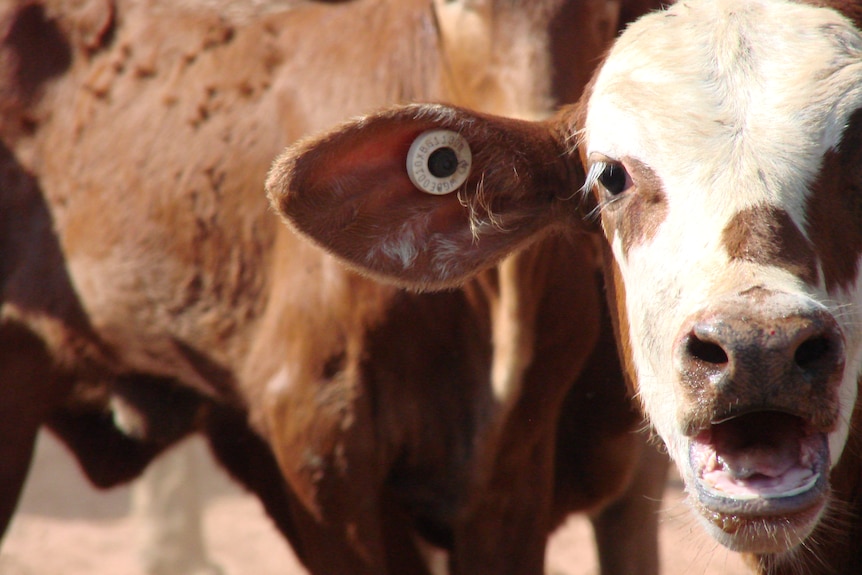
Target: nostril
x,y
812,351
705,351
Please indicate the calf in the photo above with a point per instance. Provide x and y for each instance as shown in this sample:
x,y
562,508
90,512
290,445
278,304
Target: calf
x,y
147,292
719,146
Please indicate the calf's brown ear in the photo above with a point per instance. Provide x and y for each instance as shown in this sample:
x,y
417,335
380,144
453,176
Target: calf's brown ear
x,y
496,188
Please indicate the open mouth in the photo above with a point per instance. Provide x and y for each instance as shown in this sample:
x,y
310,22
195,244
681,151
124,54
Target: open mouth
x,y
760,470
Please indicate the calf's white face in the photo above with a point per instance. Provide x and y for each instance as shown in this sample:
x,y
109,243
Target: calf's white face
x,y
721,140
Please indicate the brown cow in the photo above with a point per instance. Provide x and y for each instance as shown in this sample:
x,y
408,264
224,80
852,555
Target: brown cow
x,y
145,284
721,143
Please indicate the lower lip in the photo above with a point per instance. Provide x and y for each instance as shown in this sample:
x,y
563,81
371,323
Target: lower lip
x,y
763,534
757,523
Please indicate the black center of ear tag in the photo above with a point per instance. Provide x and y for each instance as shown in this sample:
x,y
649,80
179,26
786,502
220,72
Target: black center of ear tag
x,y
443,163
439,161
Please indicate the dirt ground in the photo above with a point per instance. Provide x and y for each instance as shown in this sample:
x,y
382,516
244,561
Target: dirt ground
x,y
64,527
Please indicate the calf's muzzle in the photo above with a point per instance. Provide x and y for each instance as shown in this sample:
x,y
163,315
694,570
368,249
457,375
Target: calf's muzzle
x,y
760,351
760,372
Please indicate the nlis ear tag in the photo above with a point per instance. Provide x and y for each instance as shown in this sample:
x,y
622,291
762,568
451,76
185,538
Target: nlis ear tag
x,y
439,161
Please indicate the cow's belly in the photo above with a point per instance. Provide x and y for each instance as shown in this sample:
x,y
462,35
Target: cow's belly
x,y
161,315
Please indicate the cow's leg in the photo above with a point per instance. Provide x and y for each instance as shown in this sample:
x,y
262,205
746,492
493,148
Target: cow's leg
x,y
339,548
626,530
403,553
332,468
249,460
116,440
164,500
28,390
505,531
323,549
167,503
505,528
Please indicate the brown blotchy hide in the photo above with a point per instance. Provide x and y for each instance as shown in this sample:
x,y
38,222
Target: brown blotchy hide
x,y
768,236
835,209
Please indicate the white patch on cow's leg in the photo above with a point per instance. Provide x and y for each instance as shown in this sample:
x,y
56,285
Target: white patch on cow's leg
x,y
512,332
436,559
127,418
167,503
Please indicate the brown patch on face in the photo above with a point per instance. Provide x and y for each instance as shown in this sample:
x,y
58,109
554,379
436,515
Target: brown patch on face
x,y
835,209
767,235
616,296
640,216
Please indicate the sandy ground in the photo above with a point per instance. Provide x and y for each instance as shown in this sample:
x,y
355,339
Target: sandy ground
x,y
64,527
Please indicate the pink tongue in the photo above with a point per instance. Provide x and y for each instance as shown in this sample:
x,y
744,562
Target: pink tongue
x,y
772,459
759,454
764,443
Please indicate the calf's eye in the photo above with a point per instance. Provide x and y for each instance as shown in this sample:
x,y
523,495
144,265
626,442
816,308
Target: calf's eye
x,y
614,179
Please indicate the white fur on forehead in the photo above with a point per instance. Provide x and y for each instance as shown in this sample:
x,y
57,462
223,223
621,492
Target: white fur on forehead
x,y
751,90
